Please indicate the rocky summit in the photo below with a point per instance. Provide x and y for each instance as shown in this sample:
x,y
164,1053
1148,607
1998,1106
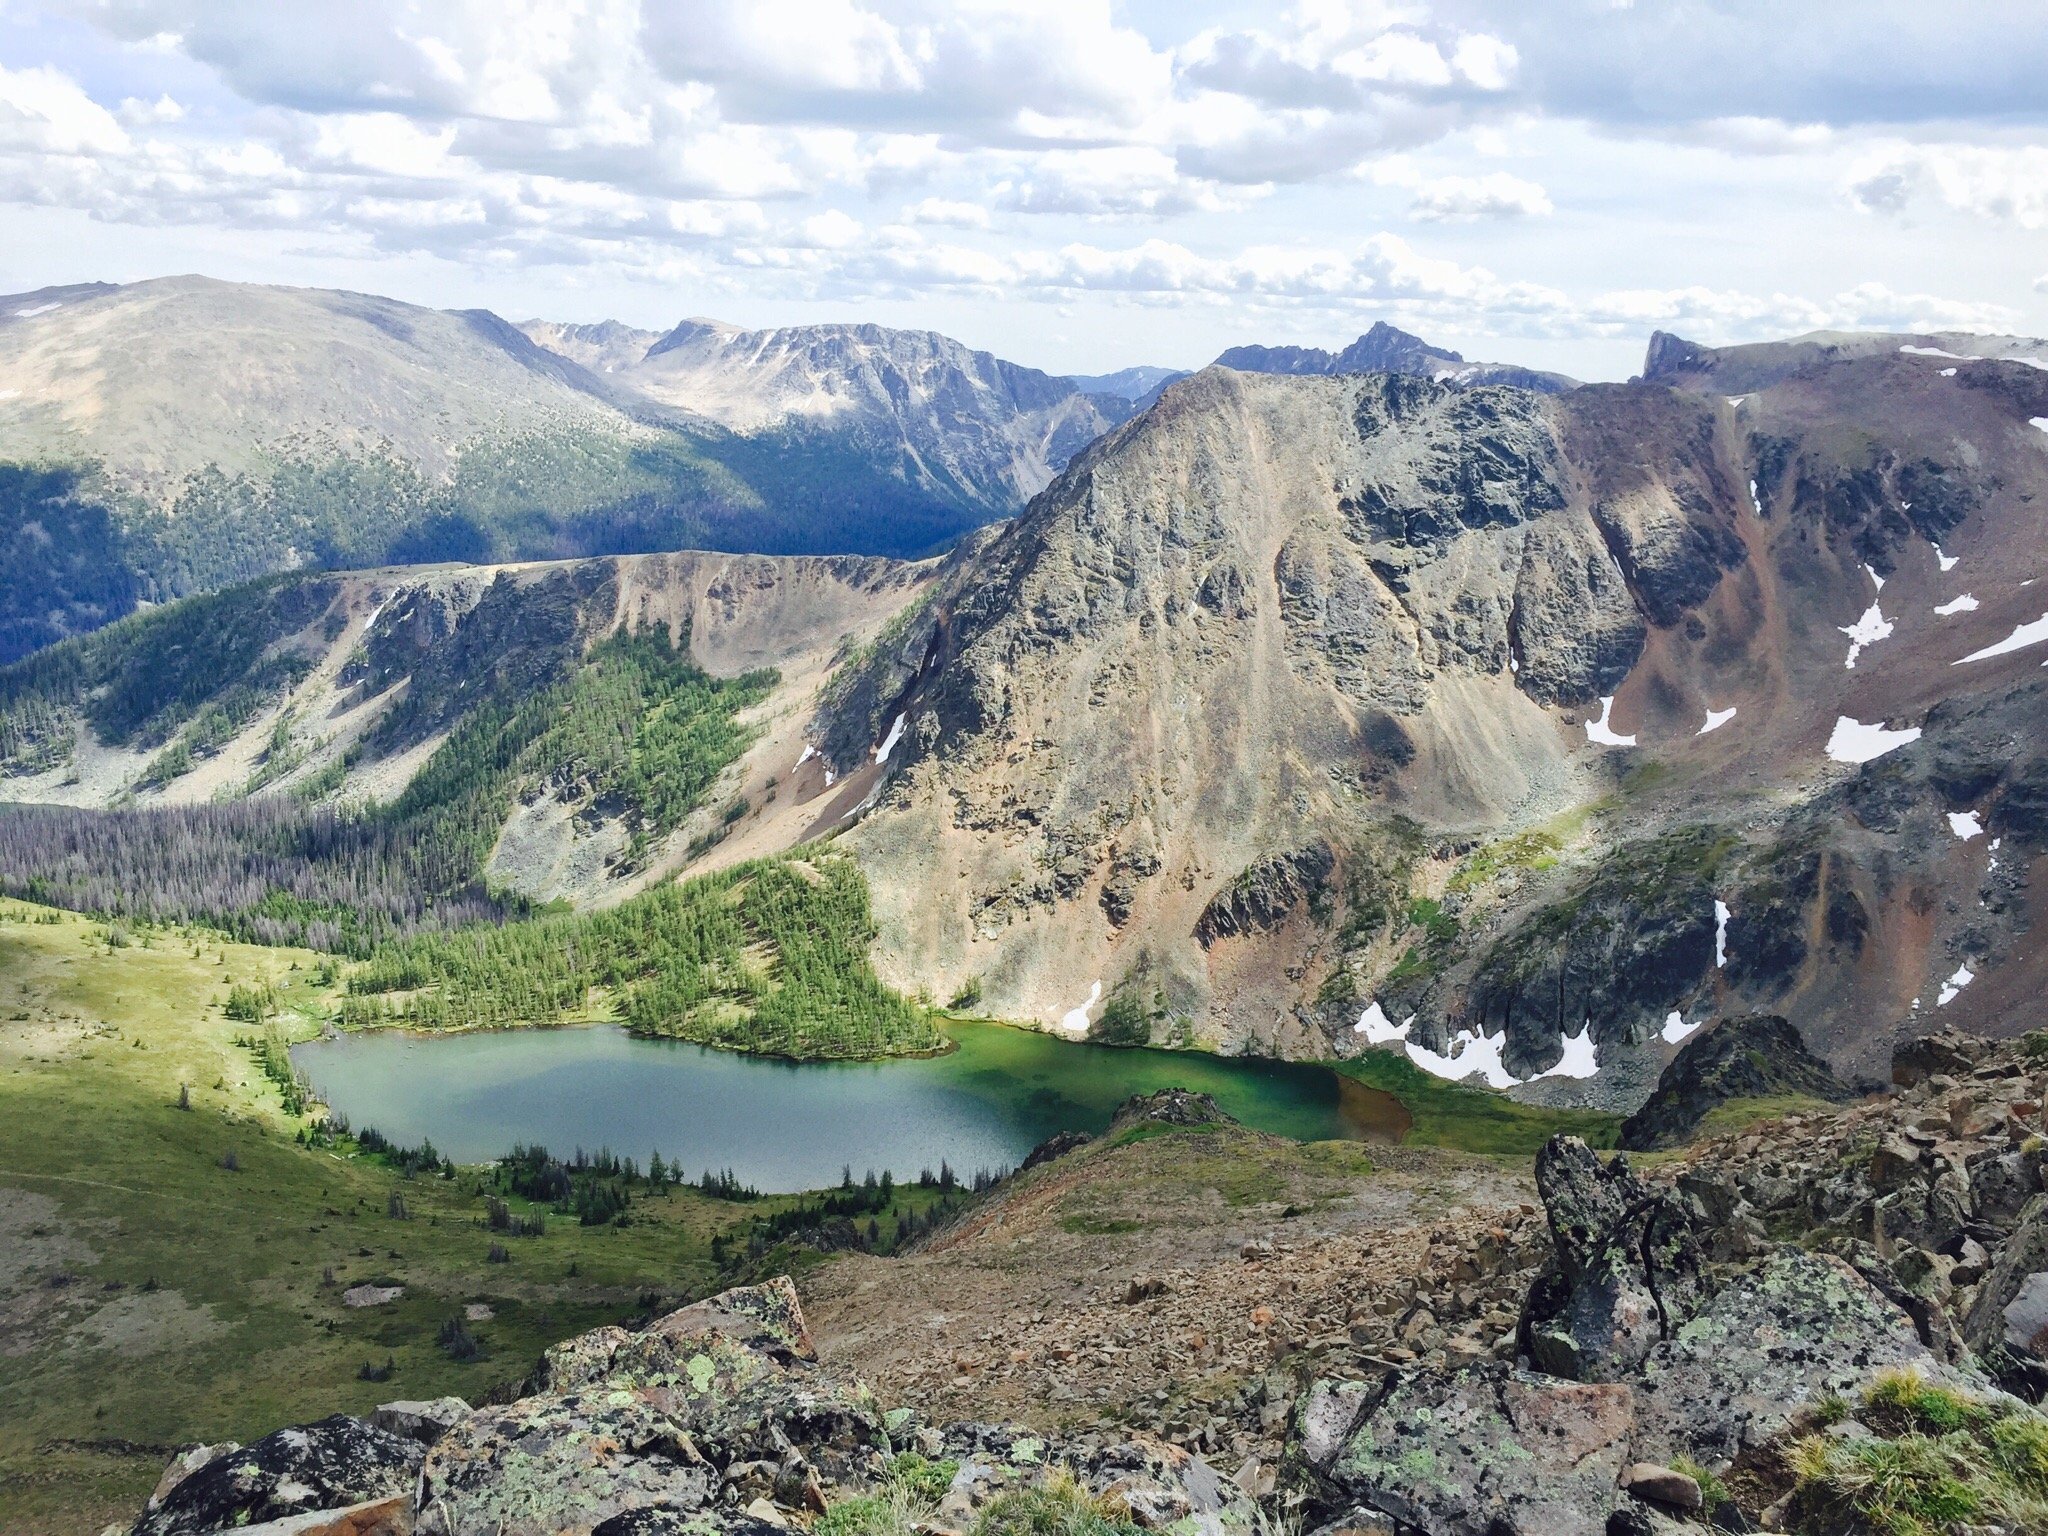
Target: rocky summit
x,y
1829,1322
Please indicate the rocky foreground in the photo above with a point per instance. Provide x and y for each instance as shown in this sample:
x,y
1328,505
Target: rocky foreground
x,y
1833,1322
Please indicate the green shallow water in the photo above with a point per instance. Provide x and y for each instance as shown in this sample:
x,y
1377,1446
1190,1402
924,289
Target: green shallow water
x,y
787,1126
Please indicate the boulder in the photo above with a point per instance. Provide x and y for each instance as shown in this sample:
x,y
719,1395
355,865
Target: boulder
x,y
2025,1254
678,1522
379,1517
1942,1055
658,1419
1767,1344
1165,1488
425,1421
1662,1485
1483,1451
1761,1056
338,1462
1624,1272
185,1463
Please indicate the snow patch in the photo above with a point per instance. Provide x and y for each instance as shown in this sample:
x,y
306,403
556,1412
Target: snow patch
x,y
1948,373
889,742
1876,579
1736,400
1946,562
1599,731
1868,630
1378,1029
38,309
2038,421
1961,357
2023,635
809,753
1716,718
1075,1020
1675,1028
829,777
1964,604
1855,742
1580,1058
1754,500
1469,1053
1965,824
1721,916
10,394
1951,988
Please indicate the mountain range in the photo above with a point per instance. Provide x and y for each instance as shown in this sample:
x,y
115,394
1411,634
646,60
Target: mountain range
x,y
174,436
1305,712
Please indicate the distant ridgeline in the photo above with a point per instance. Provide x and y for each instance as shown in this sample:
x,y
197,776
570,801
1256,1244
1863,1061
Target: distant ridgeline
x,y
77,553
176,436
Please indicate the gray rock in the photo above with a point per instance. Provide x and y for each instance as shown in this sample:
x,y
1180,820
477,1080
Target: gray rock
x,y
1766,1344
647,1420
1662,1485
1486,1450
2026,1318
679,1522
185,1463
1625,1270
425,1421
337,1462
2025,1254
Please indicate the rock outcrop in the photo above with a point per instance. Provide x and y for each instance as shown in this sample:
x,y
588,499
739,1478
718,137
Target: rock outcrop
x,y
1667,1330
1758,1057
715,1420
335,1464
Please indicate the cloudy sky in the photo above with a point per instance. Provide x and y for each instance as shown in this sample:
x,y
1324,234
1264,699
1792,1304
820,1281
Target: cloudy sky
x,y
1076,184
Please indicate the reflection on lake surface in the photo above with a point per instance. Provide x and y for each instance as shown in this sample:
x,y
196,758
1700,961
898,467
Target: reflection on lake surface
x,y
785,1126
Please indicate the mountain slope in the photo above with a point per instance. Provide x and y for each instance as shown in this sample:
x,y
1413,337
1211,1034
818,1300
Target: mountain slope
x,y
574,729
1300,706
960,425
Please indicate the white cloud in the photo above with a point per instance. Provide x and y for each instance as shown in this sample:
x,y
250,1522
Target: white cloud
x,y
1495,195
2008,184
1584,171
942,211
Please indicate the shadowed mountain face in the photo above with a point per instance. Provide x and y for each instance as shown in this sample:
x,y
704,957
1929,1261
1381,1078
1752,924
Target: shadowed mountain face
x,y
170,437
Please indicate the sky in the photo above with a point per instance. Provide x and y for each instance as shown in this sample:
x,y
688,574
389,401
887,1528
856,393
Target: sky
x,y
1074,184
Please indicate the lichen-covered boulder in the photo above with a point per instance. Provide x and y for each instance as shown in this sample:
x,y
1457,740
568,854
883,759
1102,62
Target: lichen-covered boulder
x,y
1165,1488
677,1522
1625,1270
681,1416
1471,1454
1769,1343
560,1464
337,1462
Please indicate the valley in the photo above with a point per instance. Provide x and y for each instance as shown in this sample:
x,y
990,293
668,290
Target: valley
x,y
1088,957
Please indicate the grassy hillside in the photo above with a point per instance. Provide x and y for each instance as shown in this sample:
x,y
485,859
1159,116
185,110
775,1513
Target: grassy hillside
x,y
152,1295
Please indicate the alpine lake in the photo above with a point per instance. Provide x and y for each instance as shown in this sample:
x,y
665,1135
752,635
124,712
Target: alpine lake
x,y
782,1126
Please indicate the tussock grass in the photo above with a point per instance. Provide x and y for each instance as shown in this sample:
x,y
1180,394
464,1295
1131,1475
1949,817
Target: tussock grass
x,y
1935,1459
